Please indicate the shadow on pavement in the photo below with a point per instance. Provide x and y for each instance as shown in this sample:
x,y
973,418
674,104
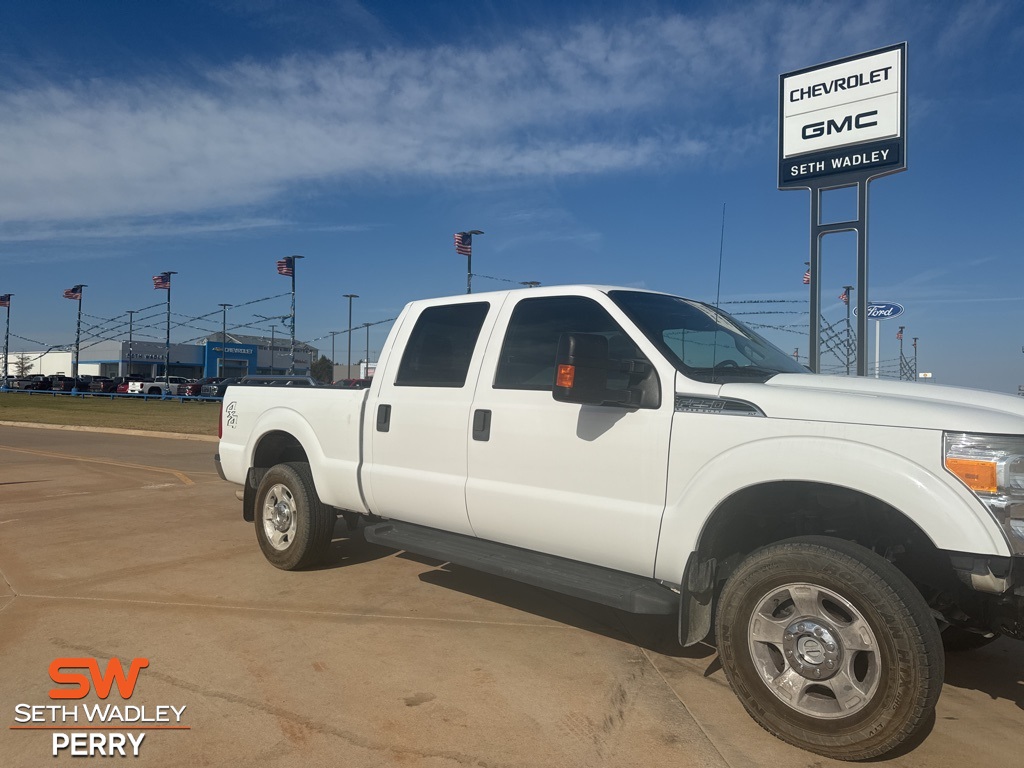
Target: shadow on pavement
x,y
997,670
654,633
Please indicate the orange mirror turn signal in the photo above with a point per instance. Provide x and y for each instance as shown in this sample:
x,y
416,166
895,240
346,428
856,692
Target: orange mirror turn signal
x,y
566,376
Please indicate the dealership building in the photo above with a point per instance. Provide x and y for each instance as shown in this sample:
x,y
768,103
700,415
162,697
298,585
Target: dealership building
x,y
240,356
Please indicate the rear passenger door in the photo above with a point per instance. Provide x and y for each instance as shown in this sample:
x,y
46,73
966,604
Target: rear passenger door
x,y
418,427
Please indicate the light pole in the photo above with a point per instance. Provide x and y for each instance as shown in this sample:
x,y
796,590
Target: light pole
x,y
223,334
367,360
273,350
273,345
333,358
131,319
348,364
846,293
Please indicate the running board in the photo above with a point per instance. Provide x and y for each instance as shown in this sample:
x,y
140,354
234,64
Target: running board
x,y
626,591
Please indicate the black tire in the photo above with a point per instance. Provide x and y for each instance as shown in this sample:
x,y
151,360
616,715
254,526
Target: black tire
x,y
808,620
153,391
957,640
293,527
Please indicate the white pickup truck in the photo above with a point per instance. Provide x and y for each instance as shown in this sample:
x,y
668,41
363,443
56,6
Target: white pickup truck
x,y
168,386
649,452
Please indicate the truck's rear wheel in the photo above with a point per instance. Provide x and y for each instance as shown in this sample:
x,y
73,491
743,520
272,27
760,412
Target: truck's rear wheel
x,y
293,526
829,647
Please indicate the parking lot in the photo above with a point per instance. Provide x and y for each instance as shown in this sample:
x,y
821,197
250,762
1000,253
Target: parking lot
x,y
128,546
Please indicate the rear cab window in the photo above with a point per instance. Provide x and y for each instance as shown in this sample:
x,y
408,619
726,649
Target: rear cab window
x,y
440,346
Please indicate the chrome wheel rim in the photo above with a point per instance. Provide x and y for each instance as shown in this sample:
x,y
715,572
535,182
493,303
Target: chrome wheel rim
x,y
279,517
814,651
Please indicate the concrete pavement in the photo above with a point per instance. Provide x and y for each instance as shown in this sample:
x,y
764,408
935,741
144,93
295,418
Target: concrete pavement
x,y
127,546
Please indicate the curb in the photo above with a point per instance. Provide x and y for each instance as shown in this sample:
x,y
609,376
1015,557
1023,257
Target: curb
x,y
112,431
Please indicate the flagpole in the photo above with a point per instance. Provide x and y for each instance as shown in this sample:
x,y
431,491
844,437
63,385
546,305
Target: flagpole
x,y
7,337
295,268
167,340
464,245
78,340
291,362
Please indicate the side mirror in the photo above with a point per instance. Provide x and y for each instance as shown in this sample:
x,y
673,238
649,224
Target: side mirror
x,y
581,369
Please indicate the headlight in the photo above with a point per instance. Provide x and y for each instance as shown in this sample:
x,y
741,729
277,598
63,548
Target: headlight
x,y
993,467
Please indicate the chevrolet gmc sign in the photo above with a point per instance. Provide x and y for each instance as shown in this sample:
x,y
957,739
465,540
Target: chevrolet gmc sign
x,y
844,117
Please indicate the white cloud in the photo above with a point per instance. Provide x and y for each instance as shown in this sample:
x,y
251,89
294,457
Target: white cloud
x,y
589,99
23,232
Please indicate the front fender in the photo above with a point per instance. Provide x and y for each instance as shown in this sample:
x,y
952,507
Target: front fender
x,y
947,512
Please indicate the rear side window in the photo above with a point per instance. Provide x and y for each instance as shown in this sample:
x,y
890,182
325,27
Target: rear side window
x,y
531,342
441,346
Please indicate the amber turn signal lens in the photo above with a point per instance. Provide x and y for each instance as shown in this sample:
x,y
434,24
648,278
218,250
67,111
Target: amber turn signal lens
x,y
979,476
566,376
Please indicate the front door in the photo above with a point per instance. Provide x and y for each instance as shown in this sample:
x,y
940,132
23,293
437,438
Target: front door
x,y
583,482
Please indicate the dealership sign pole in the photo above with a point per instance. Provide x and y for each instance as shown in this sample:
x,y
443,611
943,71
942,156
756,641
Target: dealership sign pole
x,y
842,124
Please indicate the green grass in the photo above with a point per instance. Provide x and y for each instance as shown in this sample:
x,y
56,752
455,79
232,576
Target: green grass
x,y
189,417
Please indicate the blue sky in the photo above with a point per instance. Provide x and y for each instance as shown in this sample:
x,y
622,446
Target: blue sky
x,y
593,142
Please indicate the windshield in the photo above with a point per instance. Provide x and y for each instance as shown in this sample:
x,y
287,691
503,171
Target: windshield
x,y
704,343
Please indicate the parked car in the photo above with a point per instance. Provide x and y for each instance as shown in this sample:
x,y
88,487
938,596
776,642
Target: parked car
x,y
217,389
195,388
38,383
279,381
121,382
68,384
167,386
102,384
351,383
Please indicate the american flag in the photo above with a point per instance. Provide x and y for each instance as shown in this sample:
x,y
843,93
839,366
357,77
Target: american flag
x,y
899,335
286,266
162,282
5,300
807,277
464,243
74,293
845,297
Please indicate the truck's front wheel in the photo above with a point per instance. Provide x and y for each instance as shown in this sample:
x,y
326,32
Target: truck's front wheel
x,y
293,526
830,647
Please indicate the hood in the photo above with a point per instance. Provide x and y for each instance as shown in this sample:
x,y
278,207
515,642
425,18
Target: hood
x,y
860,400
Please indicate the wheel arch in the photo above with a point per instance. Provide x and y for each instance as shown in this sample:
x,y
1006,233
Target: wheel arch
x,y
842,489
280,436
947,514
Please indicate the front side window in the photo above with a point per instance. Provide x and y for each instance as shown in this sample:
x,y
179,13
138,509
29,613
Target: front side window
x,y
441,346
531,342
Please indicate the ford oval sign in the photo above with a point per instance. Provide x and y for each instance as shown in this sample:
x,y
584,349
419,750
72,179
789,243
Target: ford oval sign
x,y
883,310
